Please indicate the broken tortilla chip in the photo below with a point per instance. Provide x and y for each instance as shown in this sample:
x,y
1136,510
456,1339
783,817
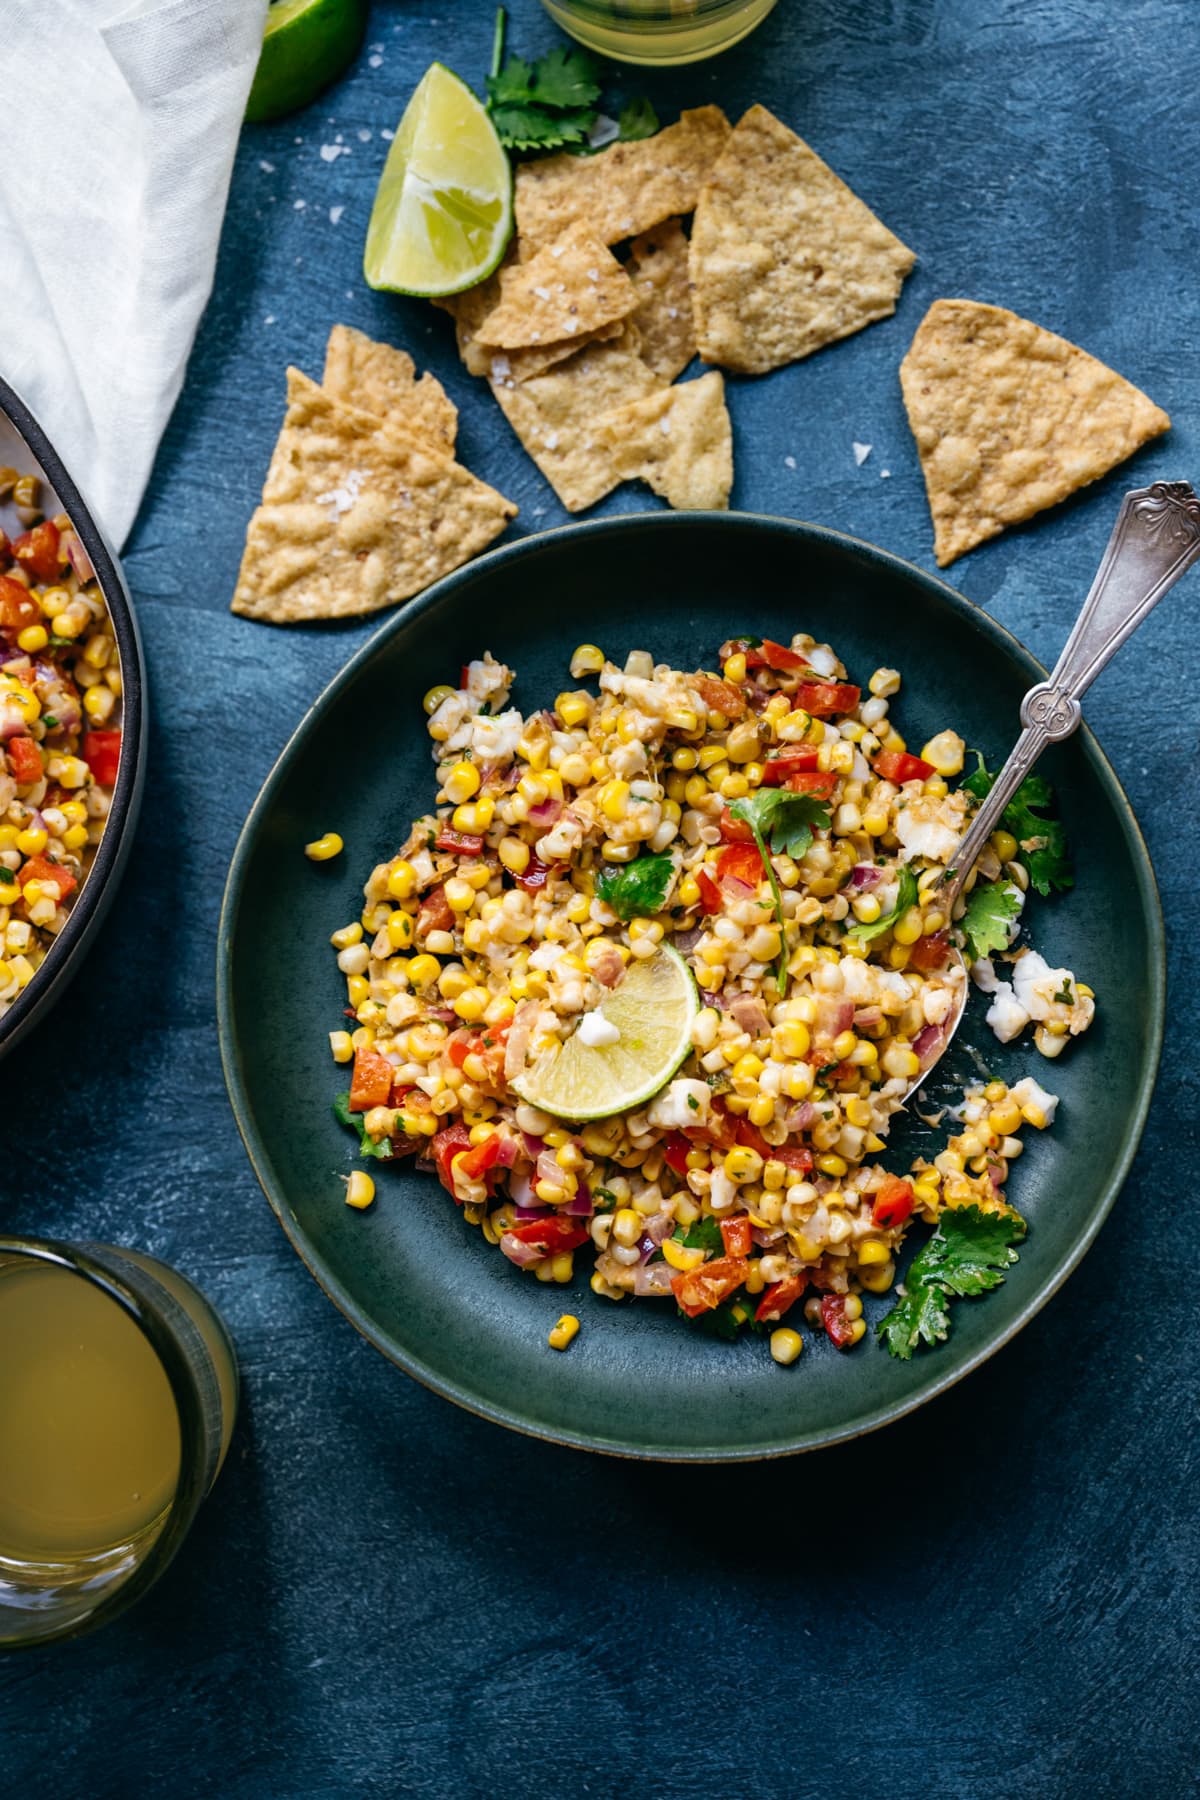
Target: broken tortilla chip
x,y
470,311
1010,419
555,415
784,257
622,190
658,268
381,380
356,516
571,286
678,440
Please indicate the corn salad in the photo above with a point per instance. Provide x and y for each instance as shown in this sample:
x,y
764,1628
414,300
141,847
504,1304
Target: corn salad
x,y
60,732
753,1177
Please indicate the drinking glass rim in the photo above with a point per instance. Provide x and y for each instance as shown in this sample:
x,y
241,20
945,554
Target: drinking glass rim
x,y
192,1484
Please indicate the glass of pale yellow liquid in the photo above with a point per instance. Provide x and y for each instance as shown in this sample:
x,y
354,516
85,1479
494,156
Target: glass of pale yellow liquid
x,y
118,1391
658,31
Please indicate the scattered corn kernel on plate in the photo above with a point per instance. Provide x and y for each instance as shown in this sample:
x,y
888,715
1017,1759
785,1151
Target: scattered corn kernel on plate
x,y
748,1186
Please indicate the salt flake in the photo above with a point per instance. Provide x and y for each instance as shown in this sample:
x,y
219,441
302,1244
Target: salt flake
x,y
335,213
861,453
267,168
789,462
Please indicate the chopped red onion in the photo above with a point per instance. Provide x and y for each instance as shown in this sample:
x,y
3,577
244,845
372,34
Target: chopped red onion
x,y
531,1212
546,812
581,1206
519,1253
653,1279
865,876
72,546
926,1042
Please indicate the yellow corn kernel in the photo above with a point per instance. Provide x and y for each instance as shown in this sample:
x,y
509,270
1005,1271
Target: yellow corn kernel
x,y
346,935
33,840
323,848
831,1165
735,667
98,703
358,990
562,1266
872,1251
718,774
587,659
762,1110
471,1004
573,709
792,1039
844,1045
423,969
1005,1119
697,790
460,895
341,1046
97,650
785,1345
514,854
462,783
360,1190
734,787
679,1258
689,891
614,801
627,1227
858,1112
564,1333
684,759
400,930
435,696
743,1164
1005,845
926,1192
945,752
747,1068
901,1061
907,929
879,1279
618,853
33,639
75,837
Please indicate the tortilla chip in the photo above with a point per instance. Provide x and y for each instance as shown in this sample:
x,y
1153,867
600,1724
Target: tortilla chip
x,y
555,416
678,440
381,380
571,286
624,189
1010,419
471,309
355,516
784,257
658,268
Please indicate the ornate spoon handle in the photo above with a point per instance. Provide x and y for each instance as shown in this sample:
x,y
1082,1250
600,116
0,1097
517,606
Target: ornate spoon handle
x,y
1155,539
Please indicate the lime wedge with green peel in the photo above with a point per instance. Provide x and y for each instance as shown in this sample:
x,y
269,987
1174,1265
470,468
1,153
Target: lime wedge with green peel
x,y
652,1010
306,45
442,216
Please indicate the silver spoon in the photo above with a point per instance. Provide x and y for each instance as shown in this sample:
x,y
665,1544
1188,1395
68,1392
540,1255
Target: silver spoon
x,y
1155,539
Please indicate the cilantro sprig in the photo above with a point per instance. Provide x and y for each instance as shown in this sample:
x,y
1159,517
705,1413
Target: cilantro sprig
x,y
967,1255
784,822
1041,840
381,1151
988,917
907,894
639,888
552,103
701,1234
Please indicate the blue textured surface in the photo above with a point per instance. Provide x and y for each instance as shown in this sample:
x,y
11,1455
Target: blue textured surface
x,y
995,1597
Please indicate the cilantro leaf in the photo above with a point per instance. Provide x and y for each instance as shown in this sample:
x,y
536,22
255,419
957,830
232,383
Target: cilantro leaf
x,y
787,820
906,896
725,1321
701,1234
565,77
966,1255
512,85
528,127
987,920
1041,840
636,888
381,1151
637,119
545,104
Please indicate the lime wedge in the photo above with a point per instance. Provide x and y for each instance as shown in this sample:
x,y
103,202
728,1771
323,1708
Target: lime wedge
x,y
306,45
652,1008
443,210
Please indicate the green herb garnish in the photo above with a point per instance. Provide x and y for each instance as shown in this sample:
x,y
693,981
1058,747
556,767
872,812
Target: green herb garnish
x,y
637,119
701,1234
381,1151
639,888
50,721
1041,840
603,1200
966,1255
551,104
990,910
907,895
725,1321
785,822
1065,995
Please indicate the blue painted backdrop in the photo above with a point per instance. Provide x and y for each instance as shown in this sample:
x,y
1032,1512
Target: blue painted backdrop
x,y
995,1597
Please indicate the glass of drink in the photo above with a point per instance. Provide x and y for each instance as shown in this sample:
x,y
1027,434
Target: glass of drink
x,y
118,1390
658,31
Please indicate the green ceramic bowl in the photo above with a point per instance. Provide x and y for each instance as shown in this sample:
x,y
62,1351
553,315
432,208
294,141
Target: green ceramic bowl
x,y
423,1286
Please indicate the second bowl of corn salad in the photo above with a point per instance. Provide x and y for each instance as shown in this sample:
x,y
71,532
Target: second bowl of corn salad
x,y
641,1066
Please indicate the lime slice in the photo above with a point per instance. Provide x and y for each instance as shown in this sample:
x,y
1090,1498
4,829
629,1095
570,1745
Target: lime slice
x,y
443,211
653,1009
306,45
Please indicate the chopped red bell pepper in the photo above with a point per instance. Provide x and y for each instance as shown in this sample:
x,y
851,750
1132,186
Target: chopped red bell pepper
x,y
479,1158
833,1318
102,754
795,1156
930,953
38,869
735,1235
779,1297
824,698
434,913
820,785
719,696
534,876
765,655
700,1290
462,843
18,608
675,1148
464,677
734,831
25,760
711,898
893,1203
371,1083
38,551
899,766
555,1233
789,762
444,1147
740,862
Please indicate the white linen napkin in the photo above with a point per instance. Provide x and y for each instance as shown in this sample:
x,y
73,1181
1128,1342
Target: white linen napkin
x,y
117,139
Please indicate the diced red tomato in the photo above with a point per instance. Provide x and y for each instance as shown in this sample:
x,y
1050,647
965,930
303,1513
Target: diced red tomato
x,y
38,869
445,1146
462,843
735,1235
434,913
740,862
899,766
795,1156
711,899
893,1203
554,1233
102,754
38,551
734,831
464,676
719,696
535,876
833,1318
18,608
460,1046
930,952
675,1148
25,760
821,786
779,1297
479,1158
789,762
719,1130
700,1290
824,698
766,655
371,1083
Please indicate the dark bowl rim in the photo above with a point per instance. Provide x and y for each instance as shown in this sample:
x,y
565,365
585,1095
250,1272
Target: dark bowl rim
x,y
876,1417
63,958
